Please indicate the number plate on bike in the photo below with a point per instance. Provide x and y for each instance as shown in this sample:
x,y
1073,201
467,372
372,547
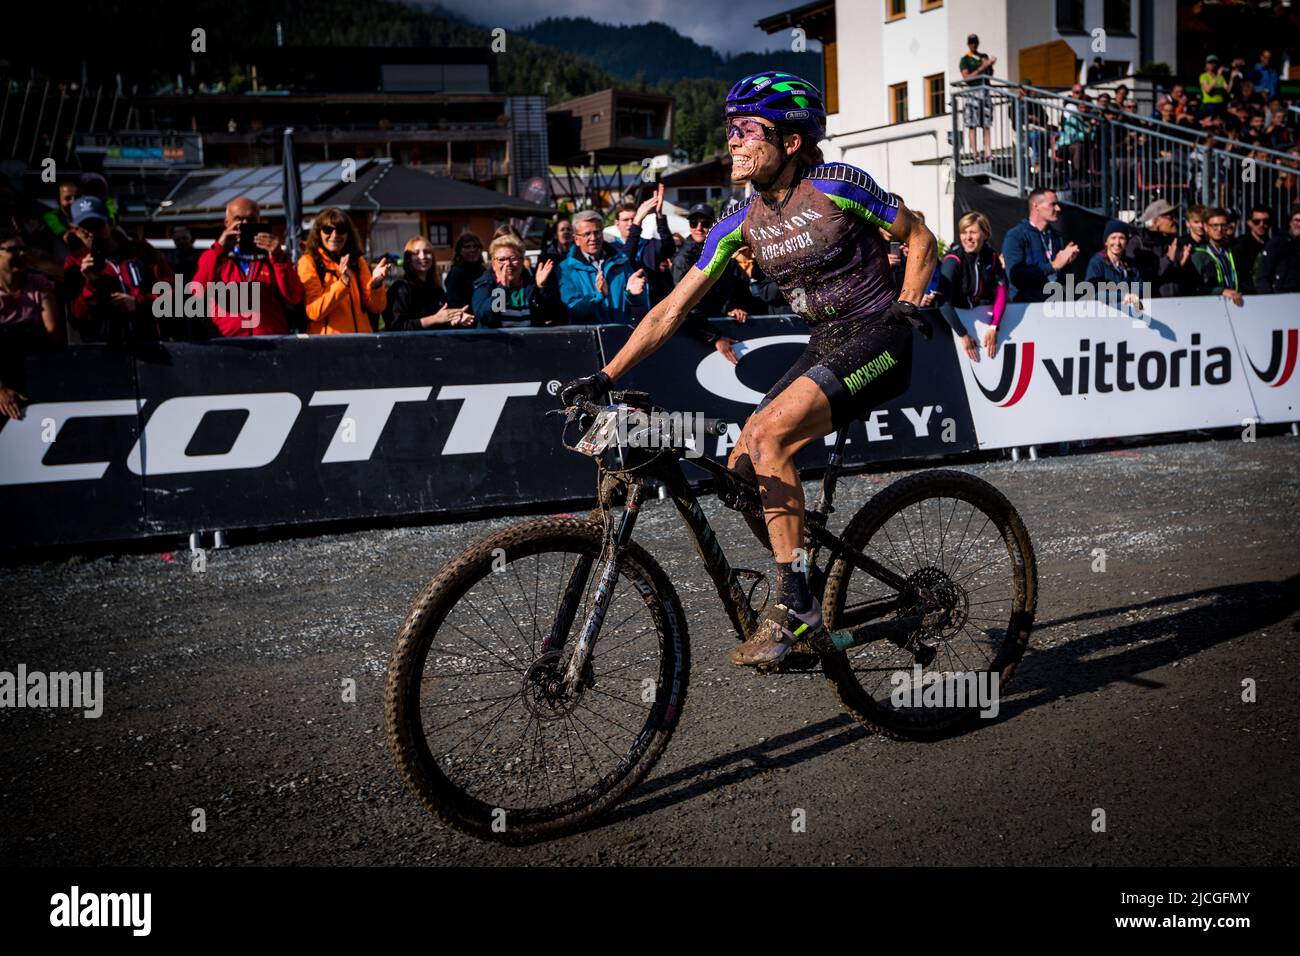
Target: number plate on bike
x,y
601,433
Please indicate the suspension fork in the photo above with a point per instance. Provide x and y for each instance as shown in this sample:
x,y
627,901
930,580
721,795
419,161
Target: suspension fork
x,y
614,546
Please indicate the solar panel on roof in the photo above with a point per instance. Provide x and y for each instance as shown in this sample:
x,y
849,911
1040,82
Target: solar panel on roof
x,y
318,171
313,191
264,177
229,178
219,199
265,195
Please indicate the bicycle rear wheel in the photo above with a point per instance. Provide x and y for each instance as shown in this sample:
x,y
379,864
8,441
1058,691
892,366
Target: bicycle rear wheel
x,y
959,541
480,725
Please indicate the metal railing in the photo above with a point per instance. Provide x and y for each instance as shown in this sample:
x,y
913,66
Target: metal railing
x,y
1111,162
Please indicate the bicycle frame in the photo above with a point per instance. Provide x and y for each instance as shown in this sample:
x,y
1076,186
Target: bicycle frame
x,y
742,495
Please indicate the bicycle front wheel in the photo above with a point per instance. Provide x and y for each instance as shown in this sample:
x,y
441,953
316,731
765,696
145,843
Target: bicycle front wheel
x,y
940,661
482,726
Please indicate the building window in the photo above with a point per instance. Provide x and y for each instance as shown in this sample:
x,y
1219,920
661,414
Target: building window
x,y
440,233
898,103
1069,16
1118,16
895,9
934,89
930,5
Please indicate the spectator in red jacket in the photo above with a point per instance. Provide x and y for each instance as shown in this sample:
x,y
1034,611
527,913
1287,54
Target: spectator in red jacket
x,y
267,265
109,280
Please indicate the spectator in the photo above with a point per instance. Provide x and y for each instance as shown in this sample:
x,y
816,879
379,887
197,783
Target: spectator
x,y
597,282
1196,216
1213,260
730,295
416,301
761,287
466,267
1214,88
341,291
1278,266
1122,101
1161,258
650,254
971,276
506,229
93,184
558,247
976,68
1096,71
1075,139
267,265
509,296
1034,253
186,259
1109,266
58,220
1178,95
1264,76
30,318
1230,231
1246,249
109,280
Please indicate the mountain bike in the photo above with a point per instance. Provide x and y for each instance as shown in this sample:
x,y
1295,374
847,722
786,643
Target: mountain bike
x,y
541,673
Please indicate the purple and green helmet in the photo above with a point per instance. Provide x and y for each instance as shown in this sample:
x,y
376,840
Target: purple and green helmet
x,y
783,98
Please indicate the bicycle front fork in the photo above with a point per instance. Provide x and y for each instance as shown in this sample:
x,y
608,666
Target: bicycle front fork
x,y
614,545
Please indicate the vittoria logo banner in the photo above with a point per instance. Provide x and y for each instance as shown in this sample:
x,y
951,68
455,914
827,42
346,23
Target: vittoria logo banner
x,y
1175,366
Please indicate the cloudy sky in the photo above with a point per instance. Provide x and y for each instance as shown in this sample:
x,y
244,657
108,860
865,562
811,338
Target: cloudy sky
x,y
727,27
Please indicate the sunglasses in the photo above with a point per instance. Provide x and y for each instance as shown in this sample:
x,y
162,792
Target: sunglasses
x,y
697,223
1259,222
328,230
750,131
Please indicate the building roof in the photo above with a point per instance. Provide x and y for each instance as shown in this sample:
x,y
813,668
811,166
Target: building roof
x,y
796,16
374,185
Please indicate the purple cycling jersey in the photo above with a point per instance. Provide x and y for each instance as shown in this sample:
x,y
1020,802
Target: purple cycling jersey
x,y
822,247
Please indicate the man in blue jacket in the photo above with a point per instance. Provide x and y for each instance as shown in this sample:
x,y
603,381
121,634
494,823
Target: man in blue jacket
x,y
1034,252
597,282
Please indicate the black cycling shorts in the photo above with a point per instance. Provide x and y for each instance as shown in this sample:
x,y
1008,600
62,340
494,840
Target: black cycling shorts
x,y
859,365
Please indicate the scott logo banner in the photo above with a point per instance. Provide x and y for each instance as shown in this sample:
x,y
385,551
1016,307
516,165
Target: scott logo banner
x,y
1173,368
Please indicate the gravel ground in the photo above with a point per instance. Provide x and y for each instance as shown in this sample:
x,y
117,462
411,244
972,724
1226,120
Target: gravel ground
x,y
222,694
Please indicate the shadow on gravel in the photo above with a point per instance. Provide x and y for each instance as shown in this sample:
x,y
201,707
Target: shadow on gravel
x,y
700,778
1061,672
1052,674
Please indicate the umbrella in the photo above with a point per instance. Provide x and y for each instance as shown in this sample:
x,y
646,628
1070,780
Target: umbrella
x,y
292,196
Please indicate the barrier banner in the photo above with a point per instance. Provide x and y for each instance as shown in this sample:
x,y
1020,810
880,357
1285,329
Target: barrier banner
x,y
253,432
1267,328
1099,373
931,418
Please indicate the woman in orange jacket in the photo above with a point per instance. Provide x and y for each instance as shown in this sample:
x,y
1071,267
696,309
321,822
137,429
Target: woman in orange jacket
x,y
341,291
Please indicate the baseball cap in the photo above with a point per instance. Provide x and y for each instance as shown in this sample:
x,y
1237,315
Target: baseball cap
x,y
1160,207
87,208
701,211
1212,58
